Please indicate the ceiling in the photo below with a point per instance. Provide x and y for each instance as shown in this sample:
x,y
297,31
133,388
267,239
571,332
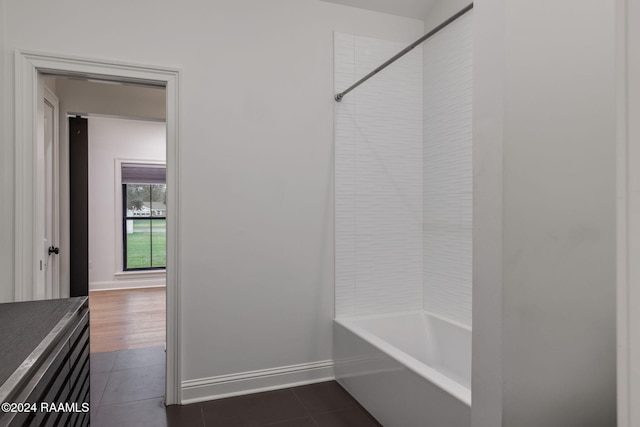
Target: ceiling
x,y
409,8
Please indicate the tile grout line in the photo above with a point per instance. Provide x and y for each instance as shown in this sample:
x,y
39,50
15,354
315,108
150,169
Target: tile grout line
x,y
337,410
138,367
300,402
103,389
292,391
313,420
275,423
106,383
112,370
131,401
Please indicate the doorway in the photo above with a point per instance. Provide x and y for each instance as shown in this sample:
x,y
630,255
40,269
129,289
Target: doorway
x,y
117,164
28,67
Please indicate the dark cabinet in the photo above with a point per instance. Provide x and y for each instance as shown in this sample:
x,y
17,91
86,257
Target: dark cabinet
x,y
46,374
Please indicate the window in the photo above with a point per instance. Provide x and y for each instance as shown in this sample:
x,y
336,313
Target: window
x,y
144,222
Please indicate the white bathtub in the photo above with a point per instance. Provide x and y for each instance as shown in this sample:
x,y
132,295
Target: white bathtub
x,y
407,369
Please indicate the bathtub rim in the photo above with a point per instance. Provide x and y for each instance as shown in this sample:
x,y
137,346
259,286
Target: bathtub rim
x,y
455,389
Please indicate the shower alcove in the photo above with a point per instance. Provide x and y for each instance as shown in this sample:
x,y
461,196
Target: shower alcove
x,y
403,224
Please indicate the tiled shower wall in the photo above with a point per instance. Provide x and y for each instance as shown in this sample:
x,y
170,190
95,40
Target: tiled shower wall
x,y
403,176
448,171
378,179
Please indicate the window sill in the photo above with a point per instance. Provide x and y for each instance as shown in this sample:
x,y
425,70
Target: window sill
x,y
140,274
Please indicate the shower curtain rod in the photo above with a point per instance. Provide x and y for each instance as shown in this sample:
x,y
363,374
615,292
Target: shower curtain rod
x,y
404,51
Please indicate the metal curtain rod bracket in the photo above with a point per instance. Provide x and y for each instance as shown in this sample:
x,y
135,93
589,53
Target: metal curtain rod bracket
x,y
403,52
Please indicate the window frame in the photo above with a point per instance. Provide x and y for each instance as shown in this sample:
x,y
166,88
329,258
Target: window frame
x,y
121,221
150,218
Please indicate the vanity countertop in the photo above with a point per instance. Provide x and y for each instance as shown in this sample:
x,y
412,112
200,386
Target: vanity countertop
x,y
27,331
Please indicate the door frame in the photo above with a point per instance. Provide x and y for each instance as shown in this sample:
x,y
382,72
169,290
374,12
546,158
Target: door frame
x,y
28,66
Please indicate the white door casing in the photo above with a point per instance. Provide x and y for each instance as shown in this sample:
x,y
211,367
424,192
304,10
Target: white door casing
x,y
28,66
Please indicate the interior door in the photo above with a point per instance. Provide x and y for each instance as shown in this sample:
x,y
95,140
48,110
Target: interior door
x,y
51,199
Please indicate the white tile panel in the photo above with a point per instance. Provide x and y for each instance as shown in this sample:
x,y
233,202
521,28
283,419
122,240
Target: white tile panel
x,y
448,171
403,177
378,179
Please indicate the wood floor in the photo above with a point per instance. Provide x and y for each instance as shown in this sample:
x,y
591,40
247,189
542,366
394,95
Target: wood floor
x,y
126,319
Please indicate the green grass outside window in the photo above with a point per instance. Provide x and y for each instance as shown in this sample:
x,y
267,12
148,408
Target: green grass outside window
x,y
139,242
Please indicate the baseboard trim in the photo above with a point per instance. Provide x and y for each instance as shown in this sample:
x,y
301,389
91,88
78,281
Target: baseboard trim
x,y
212,388
127,284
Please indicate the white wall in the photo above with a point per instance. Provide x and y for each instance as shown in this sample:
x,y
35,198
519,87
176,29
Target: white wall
x,y
629,216
448,171
50,83
549,96
256,152
440,10
487,158
407,8
378,180
111,139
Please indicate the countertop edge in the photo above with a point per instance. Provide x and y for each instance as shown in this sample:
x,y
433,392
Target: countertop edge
x,y
33,361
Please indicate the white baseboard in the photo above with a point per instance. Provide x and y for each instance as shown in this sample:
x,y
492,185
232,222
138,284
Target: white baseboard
x,y
212,388
127,284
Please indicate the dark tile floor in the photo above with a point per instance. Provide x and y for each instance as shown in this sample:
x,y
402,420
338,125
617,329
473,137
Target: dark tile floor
x,y
127,389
